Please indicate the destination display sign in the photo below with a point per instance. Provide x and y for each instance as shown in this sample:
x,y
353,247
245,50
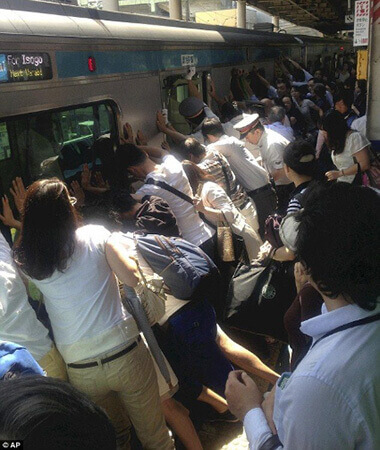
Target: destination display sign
x,y
24,66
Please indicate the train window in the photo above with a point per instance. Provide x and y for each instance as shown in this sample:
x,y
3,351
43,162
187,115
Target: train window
x,y
175,90
53,143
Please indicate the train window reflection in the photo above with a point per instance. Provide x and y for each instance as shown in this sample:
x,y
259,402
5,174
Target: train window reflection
x,y
52,143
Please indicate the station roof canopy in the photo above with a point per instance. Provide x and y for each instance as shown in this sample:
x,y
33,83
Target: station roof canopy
x,y
327,16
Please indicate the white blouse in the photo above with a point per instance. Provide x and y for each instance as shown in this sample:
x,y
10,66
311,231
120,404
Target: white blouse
x,y
355,142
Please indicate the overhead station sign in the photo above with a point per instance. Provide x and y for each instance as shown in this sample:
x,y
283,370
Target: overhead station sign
x,y
361,24
24,66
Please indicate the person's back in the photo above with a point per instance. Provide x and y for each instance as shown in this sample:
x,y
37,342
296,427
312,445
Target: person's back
x,y
247,170
170,172
93,288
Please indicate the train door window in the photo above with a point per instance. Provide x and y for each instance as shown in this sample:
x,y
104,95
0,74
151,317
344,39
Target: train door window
x,y
52,143
175,91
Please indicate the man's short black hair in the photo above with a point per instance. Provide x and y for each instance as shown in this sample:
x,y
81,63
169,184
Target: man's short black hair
x,y
338,241
213,127
47,413
129,155
191,146
122,201
346,96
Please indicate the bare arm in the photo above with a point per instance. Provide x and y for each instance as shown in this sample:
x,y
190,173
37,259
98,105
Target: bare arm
x,y
215,96
278,174
121,262
193,90
283,254
243,358
154,152
362,157
167,129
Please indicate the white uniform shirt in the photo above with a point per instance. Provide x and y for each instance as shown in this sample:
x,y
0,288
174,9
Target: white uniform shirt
x,y
229,129
192,227
354,143
18,321
278,127
331,401
248,172
83,301
271,147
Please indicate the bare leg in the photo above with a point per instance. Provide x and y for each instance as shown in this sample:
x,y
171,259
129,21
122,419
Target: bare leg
x,y
213,399
177,416
243,358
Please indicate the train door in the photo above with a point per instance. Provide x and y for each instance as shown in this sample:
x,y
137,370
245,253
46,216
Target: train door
x,y
175,90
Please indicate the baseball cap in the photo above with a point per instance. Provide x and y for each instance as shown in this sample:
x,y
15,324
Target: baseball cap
x,y
191,106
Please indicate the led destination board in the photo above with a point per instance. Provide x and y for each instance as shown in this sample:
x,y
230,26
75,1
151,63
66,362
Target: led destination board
x,y
24,66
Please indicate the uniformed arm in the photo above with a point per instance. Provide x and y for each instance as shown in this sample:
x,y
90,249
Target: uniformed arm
x,y
121,262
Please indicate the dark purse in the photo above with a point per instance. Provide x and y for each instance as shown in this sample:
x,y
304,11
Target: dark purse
x,y
272,230
259,296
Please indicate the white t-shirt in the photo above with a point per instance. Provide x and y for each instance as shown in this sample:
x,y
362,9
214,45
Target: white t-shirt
x,y
271,146
172,304
354,143
83,301
18,321
360,125
190,224
248,172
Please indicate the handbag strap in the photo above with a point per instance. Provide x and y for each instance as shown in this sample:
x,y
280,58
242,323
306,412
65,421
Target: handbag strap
x,y
346,326
225,174
170,189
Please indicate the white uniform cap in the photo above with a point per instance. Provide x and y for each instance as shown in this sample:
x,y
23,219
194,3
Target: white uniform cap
x,y
247,123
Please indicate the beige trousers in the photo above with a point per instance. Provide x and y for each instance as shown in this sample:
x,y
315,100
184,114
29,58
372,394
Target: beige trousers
x,y
53,364
129,381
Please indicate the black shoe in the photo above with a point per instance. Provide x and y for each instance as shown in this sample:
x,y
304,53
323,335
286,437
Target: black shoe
x,y
222,417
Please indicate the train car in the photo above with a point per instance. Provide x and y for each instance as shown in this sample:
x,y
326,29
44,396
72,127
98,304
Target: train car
x,y
70,74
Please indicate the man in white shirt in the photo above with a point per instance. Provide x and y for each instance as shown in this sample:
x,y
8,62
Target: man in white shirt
x,y
18,321
168,181
276,119
271,146
249,173
330,401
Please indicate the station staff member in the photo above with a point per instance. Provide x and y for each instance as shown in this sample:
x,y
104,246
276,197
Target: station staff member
x,y
271,146
249,173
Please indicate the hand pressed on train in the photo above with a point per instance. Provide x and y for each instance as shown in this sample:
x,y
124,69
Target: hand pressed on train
x,y
19,192
242,394
160,122
85,178
78,193
7,217
128,134
141,138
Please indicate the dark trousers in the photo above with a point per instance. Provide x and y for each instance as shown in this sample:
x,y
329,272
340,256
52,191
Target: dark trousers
x,y
265,202
188,342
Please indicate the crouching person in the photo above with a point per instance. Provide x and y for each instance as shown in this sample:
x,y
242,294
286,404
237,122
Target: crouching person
x,y
74,267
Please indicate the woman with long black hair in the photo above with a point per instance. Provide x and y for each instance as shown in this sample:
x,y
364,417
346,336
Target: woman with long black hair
x,y
73,266
349,149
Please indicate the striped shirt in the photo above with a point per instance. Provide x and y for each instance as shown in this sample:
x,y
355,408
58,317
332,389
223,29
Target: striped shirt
x,y
217,165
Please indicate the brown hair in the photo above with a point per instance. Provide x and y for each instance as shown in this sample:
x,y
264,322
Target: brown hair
x,y
47,237
195,175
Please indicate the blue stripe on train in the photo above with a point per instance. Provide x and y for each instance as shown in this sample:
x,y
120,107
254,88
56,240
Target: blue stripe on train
x,y
75,64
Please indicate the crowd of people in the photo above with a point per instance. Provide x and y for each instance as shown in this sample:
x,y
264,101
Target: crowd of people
x,y
275,172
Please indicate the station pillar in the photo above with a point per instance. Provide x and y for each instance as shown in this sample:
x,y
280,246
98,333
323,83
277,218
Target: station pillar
x,y
373,109
241,12
276,23
175,9
111,5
